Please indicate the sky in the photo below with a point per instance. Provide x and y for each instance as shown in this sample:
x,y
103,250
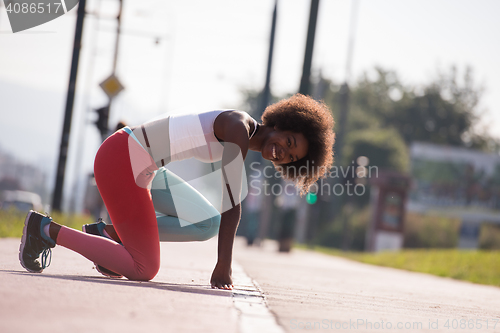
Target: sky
x,y
196,55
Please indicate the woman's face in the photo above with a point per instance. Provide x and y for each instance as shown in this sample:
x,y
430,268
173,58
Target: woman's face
x,y
283,147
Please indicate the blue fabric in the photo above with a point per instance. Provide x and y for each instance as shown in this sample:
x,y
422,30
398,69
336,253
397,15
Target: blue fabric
x,y
195,219
129,131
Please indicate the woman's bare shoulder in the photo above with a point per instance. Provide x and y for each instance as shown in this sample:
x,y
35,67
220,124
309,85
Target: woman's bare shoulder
x,y
234,120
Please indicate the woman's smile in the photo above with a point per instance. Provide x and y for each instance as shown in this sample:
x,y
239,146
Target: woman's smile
x,y
285,147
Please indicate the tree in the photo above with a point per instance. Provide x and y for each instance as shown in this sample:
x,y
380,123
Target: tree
x,y
443,111
383,147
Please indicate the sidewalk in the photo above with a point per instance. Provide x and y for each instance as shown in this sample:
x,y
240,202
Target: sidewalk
x,y
315,292
71,296
306,291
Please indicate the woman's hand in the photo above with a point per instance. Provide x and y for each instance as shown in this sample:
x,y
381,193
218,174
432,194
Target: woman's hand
x,y
221,277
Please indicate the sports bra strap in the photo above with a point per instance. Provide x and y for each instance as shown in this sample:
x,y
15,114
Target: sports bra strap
x,y
255,124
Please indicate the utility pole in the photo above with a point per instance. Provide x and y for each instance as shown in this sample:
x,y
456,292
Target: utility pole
x,y
115,59
344,90
340,139
305,81
63,150
104,112
267,205
266,93
118,31
308,216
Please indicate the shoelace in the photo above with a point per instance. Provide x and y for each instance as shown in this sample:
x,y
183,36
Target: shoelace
x,y
47,253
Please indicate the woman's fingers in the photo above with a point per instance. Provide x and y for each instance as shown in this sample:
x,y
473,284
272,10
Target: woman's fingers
x,y
222,286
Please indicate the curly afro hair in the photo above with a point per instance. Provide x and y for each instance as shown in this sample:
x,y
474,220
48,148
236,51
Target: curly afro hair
x,y
302,114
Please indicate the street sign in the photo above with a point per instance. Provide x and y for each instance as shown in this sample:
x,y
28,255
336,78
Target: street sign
x,y
111,86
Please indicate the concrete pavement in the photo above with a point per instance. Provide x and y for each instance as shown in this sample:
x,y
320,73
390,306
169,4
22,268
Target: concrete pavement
x,y
302,291
71,296
315,292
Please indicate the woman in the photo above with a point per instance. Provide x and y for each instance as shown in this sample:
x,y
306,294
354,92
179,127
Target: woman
x,y
296,135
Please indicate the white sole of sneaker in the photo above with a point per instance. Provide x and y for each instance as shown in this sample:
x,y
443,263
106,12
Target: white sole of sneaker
x,y
23,243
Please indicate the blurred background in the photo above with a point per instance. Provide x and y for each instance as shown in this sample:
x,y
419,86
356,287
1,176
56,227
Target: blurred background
x,y
413,87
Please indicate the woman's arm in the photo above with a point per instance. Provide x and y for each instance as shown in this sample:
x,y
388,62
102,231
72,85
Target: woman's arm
x,y
233,129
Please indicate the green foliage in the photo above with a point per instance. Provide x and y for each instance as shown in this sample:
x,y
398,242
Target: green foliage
x,y
429,231
384,148
430,118
331,234
441,111
385,115
474,266
489,237
420,231
12,222
372,97
355,220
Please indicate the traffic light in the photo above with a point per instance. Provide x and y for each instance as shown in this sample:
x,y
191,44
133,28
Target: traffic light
x,y
311,198
102,120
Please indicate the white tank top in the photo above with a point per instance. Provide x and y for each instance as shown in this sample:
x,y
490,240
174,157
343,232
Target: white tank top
x,y
188,135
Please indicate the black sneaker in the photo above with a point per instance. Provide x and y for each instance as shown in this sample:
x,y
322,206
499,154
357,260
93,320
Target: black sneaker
x,y
35,242
98,230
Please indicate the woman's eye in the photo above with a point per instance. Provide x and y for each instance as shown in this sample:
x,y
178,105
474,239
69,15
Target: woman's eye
x,y
291,159
289,142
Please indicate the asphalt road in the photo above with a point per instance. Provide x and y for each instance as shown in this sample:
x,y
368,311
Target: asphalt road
x,y
297,292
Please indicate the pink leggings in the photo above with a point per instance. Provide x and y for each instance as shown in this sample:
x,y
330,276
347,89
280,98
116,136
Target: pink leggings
x,y
130,208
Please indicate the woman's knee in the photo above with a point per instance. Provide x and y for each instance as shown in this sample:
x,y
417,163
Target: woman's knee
x,y
144,272
148,275
146,263
212,229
